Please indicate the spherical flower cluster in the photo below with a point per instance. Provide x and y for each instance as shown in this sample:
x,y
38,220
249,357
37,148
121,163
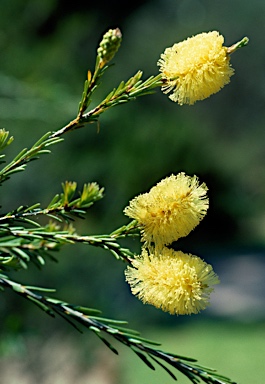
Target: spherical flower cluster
x,y
172,209
195,68
171,280
176,282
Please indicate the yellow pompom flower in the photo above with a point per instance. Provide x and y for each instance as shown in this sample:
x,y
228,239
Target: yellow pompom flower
x,y
195,68
176,282
172,209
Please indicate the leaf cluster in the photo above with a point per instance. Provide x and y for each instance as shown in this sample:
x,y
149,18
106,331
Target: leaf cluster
x,y
145,349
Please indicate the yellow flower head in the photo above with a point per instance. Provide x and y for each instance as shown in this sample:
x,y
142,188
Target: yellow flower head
x,y
195,68
171,209
176,282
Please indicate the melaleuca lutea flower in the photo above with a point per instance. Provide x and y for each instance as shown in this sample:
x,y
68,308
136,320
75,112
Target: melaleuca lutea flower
x,y
195,68
173,281
170,210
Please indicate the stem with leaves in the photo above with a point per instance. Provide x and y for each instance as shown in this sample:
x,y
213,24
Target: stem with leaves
x,y
124,93
145,349
20,245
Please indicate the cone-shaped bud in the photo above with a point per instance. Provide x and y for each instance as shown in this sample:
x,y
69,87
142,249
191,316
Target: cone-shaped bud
x,y
109,45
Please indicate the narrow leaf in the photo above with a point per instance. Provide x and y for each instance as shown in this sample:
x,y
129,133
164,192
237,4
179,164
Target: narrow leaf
x,y
108,344
87,311
144,359
165,368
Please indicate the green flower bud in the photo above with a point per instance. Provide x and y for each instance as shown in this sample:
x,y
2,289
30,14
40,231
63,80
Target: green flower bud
x,y
109,45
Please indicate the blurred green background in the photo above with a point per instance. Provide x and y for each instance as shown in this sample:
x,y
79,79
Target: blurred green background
x,y
47,46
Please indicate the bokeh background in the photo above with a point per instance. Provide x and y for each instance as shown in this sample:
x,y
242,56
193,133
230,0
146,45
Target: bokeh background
x,y
47,46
